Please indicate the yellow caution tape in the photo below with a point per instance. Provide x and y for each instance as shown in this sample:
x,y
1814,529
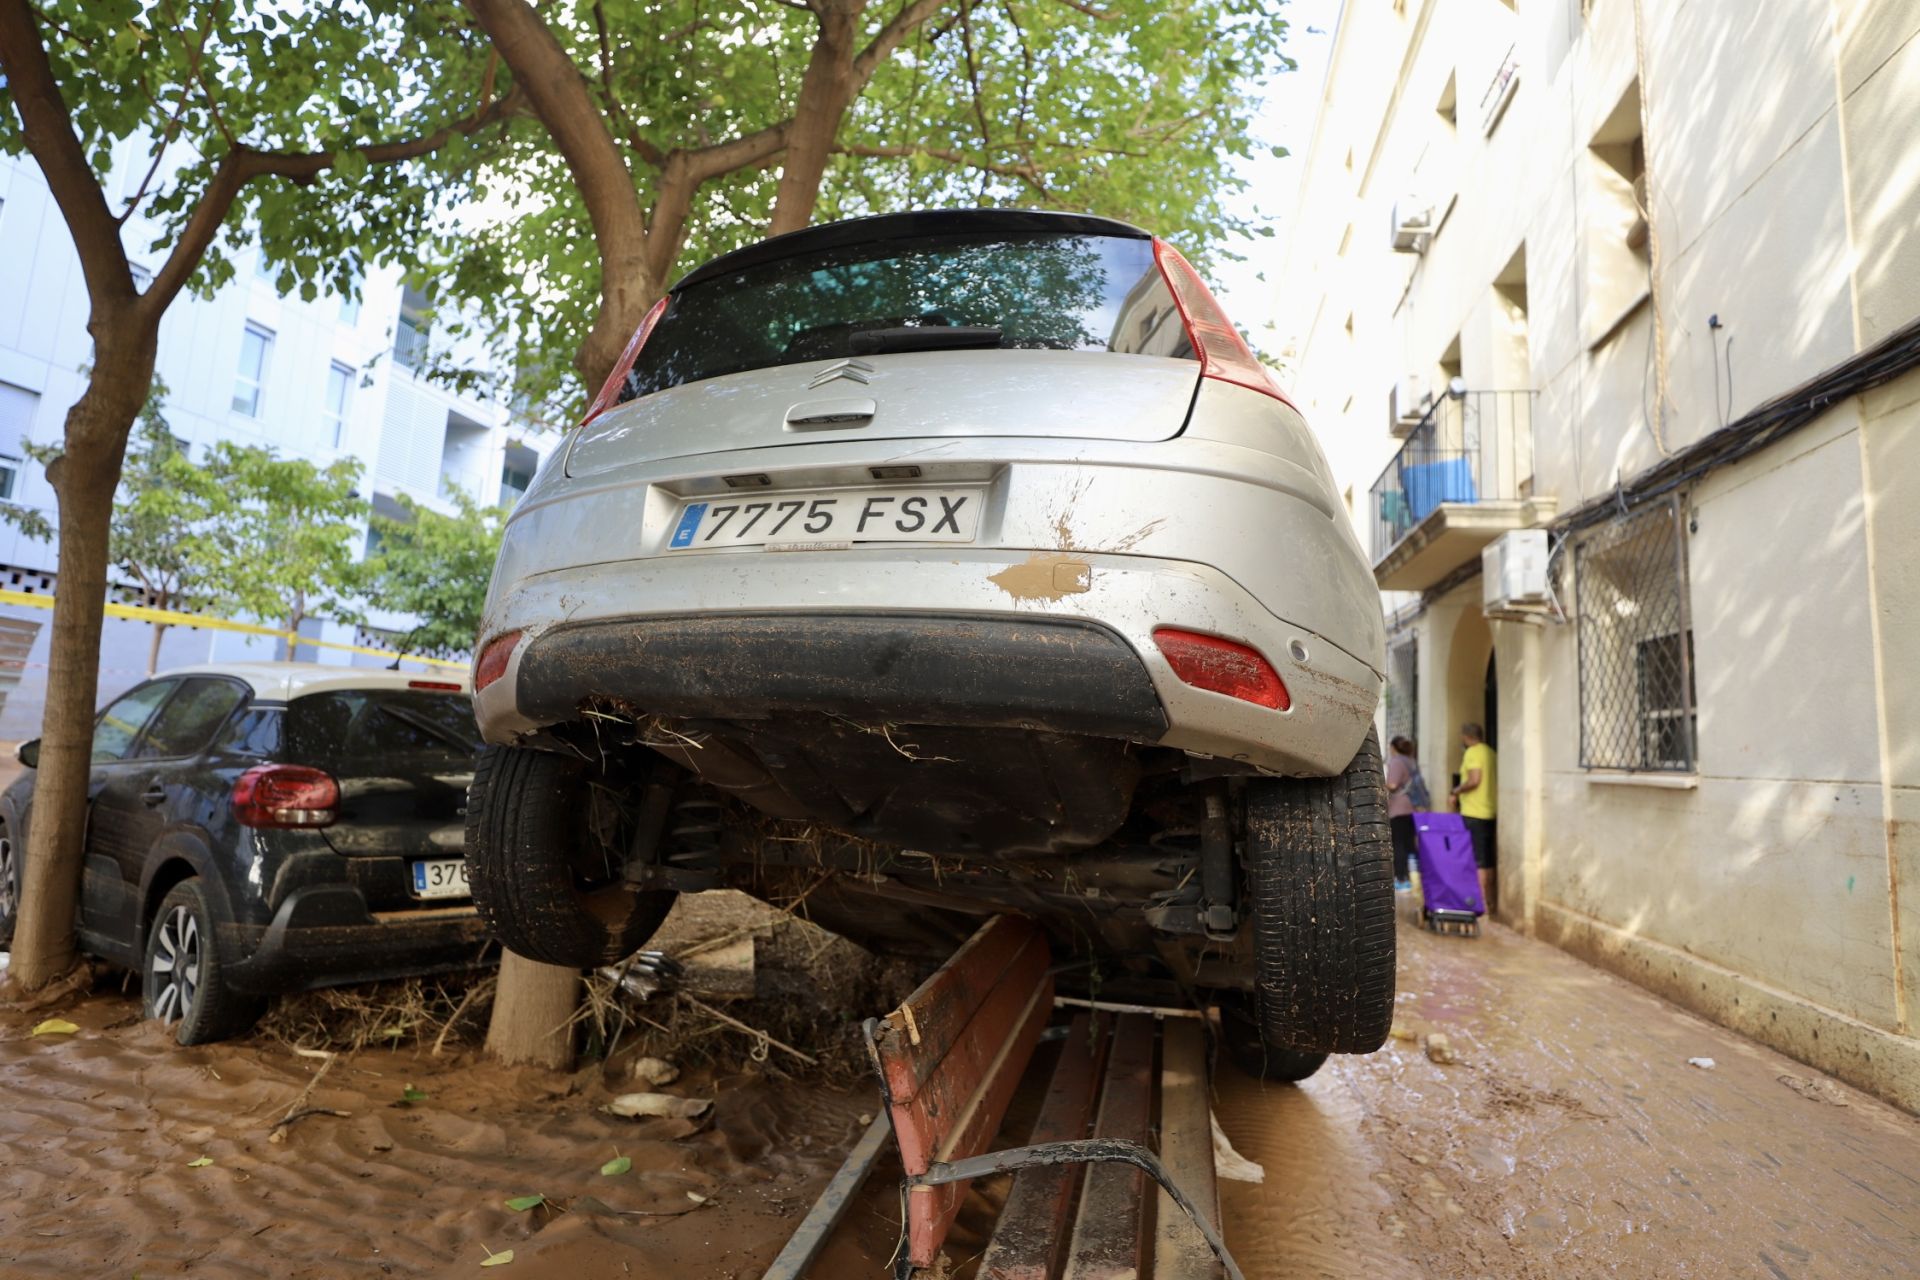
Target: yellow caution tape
x,y
171,618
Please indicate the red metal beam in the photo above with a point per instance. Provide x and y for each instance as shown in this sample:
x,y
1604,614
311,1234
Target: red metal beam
x,y
951,1056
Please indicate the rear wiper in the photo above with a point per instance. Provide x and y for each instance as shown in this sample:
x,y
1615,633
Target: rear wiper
x,y
930,337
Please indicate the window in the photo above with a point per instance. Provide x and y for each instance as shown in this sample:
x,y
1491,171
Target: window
x,y
120,724
17,407
350,311
357,732
189,719
412,330
334,411
1638,711
1615,239
1058,291
256,346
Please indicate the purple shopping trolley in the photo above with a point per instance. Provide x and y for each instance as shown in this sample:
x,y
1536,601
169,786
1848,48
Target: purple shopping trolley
x,y
1449,878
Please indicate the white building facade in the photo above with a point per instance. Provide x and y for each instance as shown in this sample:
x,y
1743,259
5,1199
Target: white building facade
x,y
1644,275
322,380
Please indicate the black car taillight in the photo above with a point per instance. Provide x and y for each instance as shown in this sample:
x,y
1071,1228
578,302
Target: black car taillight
x,y
286,795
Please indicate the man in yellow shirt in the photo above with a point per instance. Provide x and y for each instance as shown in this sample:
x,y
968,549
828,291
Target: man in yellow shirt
x,y
1477,798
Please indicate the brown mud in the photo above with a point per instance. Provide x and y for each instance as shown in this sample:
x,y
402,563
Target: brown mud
x,y
1570,1138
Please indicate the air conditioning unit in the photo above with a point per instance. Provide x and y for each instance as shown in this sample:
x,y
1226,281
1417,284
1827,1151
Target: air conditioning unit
x,y
1413,225
1407,406
1513,576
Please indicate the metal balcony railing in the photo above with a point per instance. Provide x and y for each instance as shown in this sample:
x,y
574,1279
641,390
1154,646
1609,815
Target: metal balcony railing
x,y
1470,448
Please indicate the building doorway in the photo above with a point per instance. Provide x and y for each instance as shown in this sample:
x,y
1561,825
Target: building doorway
x,y
1493,701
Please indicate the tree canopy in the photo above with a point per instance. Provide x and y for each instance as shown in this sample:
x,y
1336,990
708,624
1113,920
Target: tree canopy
x,y
1136,109
435,567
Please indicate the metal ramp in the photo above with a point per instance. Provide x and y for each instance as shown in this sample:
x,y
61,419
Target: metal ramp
x,y
1126,1102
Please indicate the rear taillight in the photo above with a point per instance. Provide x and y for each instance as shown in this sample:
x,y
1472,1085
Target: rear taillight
x,y
286,795
438,686
494,659
1223,353
1222,666
610,389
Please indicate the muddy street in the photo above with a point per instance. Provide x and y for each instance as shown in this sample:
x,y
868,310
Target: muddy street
x,y
1570,1137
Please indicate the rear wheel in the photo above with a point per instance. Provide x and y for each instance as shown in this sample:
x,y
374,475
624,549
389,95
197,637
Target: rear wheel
x,y
1240,1029
182,981
546,856
1320,867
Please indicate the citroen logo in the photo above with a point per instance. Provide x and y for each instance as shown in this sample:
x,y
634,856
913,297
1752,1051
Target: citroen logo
x,y
852,370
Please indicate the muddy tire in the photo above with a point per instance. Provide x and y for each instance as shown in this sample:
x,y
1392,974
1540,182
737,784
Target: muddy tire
x,y
543,875
1240,1034
1320,873
182,981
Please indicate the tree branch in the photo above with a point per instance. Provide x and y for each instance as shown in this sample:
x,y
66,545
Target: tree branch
x,y
1099,14
242,164
890,37
47,125
1027,172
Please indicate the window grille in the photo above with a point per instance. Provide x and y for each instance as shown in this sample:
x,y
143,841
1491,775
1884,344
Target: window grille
x,y
1638,710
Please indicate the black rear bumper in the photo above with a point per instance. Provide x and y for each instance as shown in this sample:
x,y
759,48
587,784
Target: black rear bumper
x,y
324,935
1062,676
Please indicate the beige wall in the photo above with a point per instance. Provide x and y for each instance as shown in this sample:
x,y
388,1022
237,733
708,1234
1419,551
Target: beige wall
x,y
1767,888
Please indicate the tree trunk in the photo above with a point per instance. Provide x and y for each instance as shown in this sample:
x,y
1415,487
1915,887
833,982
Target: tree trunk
x,y
566,106
83,478
153,647
824,93
533,1010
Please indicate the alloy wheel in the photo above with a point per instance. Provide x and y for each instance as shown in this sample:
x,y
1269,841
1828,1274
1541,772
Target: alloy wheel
x,y
9,898
175,966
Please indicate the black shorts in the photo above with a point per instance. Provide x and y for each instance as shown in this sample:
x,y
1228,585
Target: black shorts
x,y
1484,853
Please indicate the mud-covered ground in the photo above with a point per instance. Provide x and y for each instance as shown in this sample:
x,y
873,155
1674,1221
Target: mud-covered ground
x,y
1571,1138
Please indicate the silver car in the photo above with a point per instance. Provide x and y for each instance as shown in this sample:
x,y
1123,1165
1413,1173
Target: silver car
x,y
944,563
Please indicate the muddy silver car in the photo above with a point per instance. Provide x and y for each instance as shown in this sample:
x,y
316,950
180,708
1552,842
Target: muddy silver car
x,y
938,564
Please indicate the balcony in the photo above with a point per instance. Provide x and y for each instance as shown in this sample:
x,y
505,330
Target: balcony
x,y
1463,478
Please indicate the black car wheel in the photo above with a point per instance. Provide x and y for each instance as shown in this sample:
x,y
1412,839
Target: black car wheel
x,y
1320,867
9,884
184,986
546,860
1240,1029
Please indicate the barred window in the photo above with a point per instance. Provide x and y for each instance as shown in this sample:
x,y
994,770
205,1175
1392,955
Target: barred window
x,y
1638,709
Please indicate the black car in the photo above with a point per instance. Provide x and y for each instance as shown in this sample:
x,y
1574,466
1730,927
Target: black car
x,y
257,828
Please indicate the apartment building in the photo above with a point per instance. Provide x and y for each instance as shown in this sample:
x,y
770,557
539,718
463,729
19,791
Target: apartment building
x,y
319,380
1630,288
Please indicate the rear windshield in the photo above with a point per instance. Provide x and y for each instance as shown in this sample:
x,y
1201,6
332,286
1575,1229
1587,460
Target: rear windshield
x,y
1039,290
352,730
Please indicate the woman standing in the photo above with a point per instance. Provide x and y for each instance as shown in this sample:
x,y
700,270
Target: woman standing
x,y
1406,791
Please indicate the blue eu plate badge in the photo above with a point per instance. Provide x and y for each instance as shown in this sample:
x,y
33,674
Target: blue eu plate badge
x,y
689,521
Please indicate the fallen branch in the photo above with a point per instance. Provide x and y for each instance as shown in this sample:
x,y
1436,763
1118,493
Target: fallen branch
x,y
280,1128
756,1032
461,1008
278,1133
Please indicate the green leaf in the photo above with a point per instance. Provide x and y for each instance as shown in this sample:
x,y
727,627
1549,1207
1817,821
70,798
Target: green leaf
x,y
499,1259
55,1027
411,1095
617,1165
201,1163
520,1204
